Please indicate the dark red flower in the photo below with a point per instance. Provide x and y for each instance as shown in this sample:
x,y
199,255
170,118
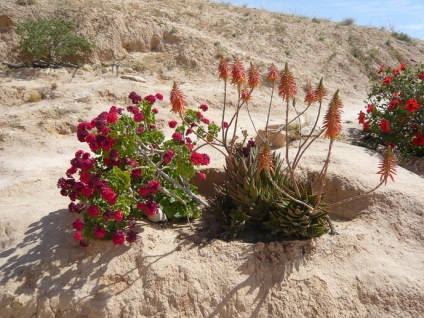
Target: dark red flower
x,y
366,126
421,76
138,116
206,121
78,236
204,107
381,69
78,224
149,207
225,124
384,125
118,237
387,80
118,216
159,96
136,173
167,157
153,185
172,124
93,211
151,99
418,140
412,105
370,108
99,232
155,110
199,159
135,98
109,195
202,176
393,103
177,136
112,118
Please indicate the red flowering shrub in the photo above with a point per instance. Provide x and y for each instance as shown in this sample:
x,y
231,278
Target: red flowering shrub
x,y
395,111
132,171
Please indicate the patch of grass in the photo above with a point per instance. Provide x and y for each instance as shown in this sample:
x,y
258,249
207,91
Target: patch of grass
x,y
332,56
402,37
347,22
315,20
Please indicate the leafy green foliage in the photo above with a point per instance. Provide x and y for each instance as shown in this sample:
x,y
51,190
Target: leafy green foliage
x,y
395,110
251,199
53,40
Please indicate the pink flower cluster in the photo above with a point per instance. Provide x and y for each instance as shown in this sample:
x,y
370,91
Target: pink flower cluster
x,y
150,189
200,159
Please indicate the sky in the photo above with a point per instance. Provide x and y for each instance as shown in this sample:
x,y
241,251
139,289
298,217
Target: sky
x,y
402,16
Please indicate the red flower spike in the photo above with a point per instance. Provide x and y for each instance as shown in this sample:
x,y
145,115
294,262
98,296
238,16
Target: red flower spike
x,y
332,119
245,94
265,159
387,166
253,76
287,88
311,96
178,100
321,91
273,75
238,74
224,69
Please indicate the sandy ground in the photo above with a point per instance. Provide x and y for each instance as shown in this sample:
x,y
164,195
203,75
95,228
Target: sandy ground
x,y
373,268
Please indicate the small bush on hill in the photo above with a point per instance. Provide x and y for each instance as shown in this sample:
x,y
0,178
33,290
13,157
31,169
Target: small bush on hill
x,y
394,113
52,40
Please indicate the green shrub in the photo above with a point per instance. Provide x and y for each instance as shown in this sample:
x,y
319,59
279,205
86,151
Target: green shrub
x,y
395,112
52,40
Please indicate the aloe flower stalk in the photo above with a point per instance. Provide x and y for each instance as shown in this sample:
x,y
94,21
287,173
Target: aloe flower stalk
x,y
253,76
271,77
387,166
332,119
178,100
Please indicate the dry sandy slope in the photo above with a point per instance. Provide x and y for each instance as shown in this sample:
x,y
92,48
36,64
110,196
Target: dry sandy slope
x,y
374,268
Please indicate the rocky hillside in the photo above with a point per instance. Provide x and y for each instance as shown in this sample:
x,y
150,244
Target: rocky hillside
x,y
164,36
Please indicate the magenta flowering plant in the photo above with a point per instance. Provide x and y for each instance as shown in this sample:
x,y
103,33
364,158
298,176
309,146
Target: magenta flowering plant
x,y
394,114
132,171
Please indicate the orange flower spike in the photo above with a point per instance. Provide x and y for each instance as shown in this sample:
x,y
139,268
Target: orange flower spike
x,y
265,159
238,74
253,76
321,91
273,75
387,166
224,69
332,119
287,88
311,96
178,100
245,94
